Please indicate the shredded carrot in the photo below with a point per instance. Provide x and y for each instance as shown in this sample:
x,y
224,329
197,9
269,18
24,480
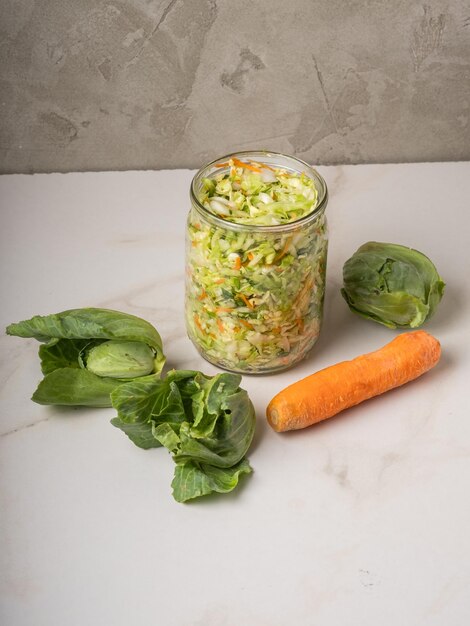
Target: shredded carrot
x,y
338,387
202,295
223,309
284,250
245,165
305,289
219,281
251,256
245,300
197,321
300,324
239,163
245,323
220,325
237,263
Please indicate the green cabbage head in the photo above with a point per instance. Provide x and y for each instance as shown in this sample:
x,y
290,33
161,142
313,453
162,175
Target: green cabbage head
x,y
391,284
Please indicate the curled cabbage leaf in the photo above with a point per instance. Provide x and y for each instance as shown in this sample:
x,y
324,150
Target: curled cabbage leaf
x,y
87,353
207,423
396,286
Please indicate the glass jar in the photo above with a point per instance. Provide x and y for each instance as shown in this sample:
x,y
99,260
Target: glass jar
x,y
254,293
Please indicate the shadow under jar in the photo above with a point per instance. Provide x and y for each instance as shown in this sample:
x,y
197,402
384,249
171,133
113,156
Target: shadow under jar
x,y
256,248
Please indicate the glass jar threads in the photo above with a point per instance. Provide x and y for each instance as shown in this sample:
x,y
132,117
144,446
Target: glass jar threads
x,y
256,248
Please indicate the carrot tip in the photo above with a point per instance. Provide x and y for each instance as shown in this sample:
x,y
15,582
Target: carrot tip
x,y
273,417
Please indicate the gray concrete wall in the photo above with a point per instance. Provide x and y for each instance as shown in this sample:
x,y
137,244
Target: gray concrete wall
x,y
130,84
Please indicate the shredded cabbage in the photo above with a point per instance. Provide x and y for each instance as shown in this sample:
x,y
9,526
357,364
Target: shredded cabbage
x,y
257,194
254,299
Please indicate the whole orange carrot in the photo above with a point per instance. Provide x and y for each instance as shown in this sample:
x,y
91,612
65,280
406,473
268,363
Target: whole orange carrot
x,y
345,384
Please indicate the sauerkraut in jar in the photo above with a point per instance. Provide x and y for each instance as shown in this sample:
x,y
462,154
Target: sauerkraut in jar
x,y
256,249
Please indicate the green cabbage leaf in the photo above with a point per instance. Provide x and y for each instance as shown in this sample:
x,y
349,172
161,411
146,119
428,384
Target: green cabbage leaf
x,y
87,353
207,424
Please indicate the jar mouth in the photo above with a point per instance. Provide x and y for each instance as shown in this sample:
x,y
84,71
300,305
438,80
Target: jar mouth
x,y
270,158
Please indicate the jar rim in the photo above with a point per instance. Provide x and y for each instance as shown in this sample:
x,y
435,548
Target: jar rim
x,y
274,228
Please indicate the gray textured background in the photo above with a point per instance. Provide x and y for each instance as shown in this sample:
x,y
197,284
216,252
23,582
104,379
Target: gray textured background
x,y
131,84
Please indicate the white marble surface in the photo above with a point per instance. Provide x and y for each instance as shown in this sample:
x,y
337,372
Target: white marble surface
x,y
363,519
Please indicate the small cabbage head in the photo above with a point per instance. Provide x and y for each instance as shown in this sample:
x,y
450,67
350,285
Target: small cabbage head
x,y
391,284
120,359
